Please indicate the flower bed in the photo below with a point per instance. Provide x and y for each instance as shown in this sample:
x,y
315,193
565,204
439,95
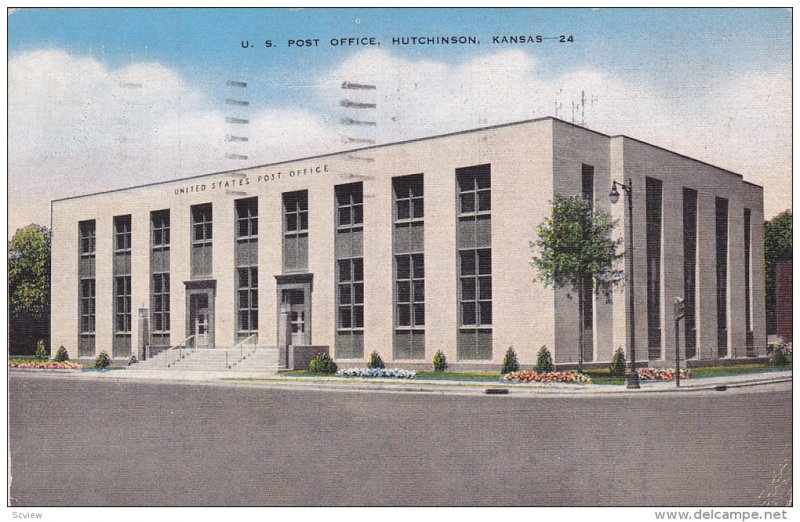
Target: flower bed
x,y
530,376
659,374
44,365
384,373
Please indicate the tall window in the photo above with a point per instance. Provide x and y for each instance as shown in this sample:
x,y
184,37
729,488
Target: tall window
x,y
351,293
87,306
748,322
248,300
722,276
690,269
653,211
121,342
87,288
295,231
409,267
349,200
160,223
247,267
122,304
587,191
159,280
246,218
122,233
87,238
202,240
161,303
473,238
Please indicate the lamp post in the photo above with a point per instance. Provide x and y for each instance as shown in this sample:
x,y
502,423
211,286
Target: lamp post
x,y
632,377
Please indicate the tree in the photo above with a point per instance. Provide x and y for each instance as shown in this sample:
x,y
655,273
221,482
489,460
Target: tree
x,y
777,249
575,250
29,271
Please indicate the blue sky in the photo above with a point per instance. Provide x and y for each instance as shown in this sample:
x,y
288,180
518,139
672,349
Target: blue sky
x,y
713,84
664,45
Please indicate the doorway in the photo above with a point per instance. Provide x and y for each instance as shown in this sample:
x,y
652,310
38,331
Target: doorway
x,y
200,314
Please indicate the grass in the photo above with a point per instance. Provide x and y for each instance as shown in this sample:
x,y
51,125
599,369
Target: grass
x,y
459,376
598,375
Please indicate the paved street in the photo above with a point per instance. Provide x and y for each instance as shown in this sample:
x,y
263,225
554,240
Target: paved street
x,y
101,442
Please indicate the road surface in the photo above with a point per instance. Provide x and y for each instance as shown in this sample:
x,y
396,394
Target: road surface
x,y
103,442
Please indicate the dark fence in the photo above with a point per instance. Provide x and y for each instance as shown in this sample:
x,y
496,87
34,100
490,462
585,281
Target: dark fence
x,y
25,330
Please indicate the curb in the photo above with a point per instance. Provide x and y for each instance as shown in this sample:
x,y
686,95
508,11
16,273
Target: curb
x,y
389,386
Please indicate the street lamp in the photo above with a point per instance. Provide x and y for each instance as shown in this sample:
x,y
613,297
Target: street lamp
x,y
632,377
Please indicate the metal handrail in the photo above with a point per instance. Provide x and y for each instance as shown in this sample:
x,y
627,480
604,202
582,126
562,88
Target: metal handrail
x,y
180,347
241,344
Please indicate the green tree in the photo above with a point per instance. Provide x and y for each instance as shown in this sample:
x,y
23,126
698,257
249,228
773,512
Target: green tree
x,y
777,248
574,250
29,271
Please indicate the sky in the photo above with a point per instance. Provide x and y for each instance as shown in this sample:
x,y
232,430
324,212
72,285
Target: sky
x,y
108,98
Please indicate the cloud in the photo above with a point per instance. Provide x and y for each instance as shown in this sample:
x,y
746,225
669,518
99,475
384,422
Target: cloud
x,y
77,125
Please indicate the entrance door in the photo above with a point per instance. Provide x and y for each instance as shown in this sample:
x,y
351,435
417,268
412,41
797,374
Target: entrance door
x,y
201,328
201,320
295,298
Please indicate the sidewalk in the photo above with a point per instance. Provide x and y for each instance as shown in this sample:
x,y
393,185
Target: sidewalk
x,y
277,381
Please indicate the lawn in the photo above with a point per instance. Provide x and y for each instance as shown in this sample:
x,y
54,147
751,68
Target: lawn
x,y
598,375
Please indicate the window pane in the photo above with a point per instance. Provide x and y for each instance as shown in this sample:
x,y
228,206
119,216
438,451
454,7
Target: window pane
x,y
486,313
403,292
344,216
344,270
467,289
403,267
243,278
344,294
243,320
358,293
484,200
356,194
345,319
419,266
342,197
243,299
468,313
486,287
419,208
254,227
254,320
358,317
416,186
358,215
254,299
358,269
485,261
467,202
482,180
419,291
403,211
291,222
208,230
468,262
419,315
304,221
404,315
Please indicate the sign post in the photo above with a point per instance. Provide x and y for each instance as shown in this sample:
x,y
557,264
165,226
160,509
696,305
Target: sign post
x,y
680,313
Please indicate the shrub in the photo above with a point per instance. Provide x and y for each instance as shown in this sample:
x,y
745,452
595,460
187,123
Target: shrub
x,y
510,363
322,363
778,357
439,361
61,354
544,361
102,361
618,364
375,361
40,354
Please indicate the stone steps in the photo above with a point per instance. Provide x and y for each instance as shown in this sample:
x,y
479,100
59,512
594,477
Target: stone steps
x,y
263,360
